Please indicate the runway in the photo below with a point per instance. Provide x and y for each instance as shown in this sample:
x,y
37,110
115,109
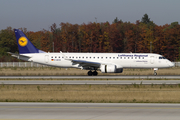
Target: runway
x,y
83,82
92,77
90,111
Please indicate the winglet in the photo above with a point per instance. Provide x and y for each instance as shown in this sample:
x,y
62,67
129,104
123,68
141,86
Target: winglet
x,y
24,44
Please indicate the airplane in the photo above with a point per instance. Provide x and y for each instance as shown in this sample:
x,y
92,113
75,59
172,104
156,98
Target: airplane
x,y
104,62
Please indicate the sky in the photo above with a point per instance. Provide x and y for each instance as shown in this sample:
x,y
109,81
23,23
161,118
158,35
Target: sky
x,y
36,15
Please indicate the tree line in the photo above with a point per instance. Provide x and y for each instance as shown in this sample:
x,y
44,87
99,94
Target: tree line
x,y
117,37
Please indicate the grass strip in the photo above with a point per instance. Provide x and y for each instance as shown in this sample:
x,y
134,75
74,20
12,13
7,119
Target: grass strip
x,y
91,93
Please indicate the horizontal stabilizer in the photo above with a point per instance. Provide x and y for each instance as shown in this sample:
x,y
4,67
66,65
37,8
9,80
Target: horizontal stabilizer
x,y
18,55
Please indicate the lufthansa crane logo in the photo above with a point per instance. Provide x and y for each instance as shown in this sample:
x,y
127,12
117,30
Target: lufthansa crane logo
x,y
22,41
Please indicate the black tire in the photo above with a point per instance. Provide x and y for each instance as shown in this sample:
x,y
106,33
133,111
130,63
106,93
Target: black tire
x,y
95,73
90,73
155,73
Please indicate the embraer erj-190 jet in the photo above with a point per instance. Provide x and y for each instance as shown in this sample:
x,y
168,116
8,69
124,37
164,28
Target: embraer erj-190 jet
x,y
105,62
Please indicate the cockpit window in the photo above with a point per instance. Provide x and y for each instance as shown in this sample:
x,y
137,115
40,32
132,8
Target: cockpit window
x,y
162,57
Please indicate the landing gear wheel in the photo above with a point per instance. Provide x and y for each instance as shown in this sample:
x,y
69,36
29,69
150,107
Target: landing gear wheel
x,y
95,73
155,73
90,73
155,69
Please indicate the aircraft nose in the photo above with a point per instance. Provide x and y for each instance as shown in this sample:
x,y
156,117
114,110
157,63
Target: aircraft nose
x,y
171,64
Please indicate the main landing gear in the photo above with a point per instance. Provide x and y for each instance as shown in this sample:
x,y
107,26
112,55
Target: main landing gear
x,y
90,73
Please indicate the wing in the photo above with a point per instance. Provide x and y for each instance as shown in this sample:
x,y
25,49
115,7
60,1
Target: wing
x,y
85,63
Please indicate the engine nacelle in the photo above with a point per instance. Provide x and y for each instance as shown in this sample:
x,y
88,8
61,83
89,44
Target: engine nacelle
x,y
110,69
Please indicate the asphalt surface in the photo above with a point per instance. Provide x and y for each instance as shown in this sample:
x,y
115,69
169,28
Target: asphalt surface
x,y
75,82
90,80
91,77
90,111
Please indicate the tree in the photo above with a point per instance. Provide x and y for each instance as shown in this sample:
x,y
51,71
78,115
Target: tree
x,y
46,41
145,19
116,20
7,41
7,44
56,37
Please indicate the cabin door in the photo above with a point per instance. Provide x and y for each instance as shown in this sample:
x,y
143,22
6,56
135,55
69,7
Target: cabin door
x,y
46,58
152,59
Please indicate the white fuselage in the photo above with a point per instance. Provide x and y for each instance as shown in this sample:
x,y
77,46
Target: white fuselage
x,y
121,60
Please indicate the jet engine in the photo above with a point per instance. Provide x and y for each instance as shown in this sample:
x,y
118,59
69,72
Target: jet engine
x,y
111,69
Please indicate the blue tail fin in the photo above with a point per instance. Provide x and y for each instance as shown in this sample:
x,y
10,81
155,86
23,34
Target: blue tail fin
x,y
24,44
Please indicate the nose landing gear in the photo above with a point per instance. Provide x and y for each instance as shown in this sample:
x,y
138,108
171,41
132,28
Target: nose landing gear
x,y
155,73
90,73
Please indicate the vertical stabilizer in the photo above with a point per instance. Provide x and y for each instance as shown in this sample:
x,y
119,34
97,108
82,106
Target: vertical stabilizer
x,y
24,44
